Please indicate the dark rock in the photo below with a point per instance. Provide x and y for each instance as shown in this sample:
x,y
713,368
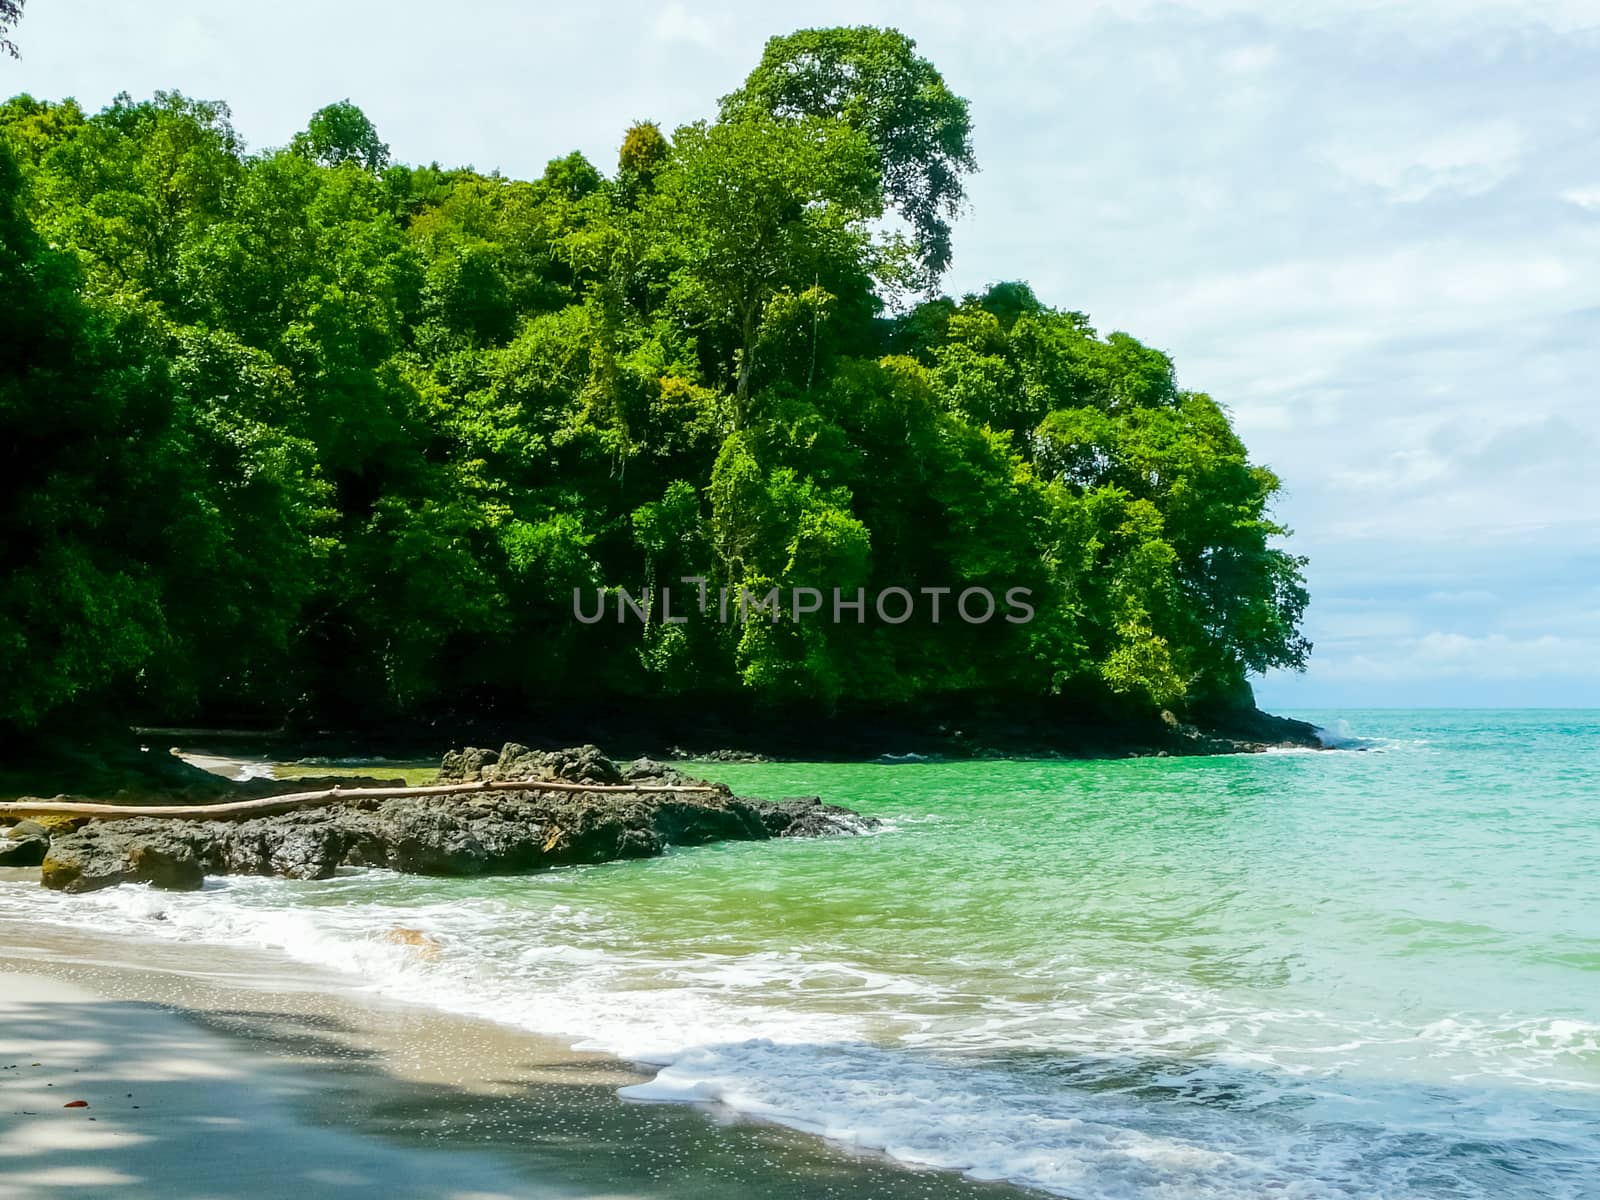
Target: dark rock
x,y
643,770
590,766
499,832
686,823
578,764
466,765
23,845
725,756
167,854
303,845
808,816
175,868
428,839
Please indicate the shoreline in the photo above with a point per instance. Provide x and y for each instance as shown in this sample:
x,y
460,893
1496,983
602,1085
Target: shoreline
x,y
1019,728
135,762
235,1052
1097,980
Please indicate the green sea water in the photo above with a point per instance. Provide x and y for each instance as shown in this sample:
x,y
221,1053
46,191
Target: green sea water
x,y
1370,972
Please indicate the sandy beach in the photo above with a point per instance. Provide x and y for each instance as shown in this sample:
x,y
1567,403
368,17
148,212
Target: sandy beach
x,y
104,1096
210,1073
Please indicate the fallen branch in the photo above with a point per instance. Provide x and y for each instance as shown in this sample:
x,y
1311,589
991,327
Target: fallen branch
x,y
268,805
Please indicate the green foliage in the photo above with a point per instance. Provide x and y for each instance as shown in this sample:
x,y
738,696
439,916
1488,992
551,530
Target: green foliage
x,y
84,405
10,14
303,431
874,81
342,133
752,207
644,151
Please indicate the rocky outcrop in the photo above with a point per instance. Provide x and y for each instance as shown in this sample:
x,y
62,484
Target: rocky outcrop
x,y
479,833
24,844
577,764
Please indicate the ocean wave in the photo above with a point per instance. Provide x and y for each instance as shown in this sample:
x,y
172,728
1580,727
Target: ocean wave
x,y
1339,736
1107,1087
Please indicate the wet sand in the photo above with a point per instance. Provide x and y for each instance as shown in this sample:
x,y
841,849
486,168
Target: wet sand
x,y
224,1073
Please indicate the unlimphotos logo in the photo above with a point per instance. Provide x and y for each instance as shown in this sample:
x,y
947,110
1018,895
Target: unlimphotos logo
x,y
890,606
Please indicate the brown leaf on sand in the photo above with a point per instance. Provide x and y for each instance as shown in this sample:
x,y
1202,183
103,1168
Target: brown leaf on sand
x,y
76,1104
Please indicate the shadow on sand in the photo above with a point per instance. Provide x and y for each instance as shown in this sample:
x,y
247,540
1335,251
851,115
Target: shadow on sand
x,y
240,1102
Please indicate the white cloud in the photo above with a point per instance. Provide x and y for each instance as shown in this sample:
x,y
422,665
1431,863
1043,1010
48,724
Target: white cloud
x,y
1471,596
1411,167
1246,60
1355,626
1423,20
1491,657
677,24
1584,197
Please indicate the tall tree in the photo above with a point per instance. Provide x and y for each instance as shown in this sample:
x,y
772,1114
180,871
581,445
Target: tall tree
x,y
753,206
84,413
874,80
340,133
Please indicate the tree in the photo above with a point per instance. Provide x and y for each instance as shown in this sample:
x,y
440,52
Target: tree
x,y
301,432
753,206
644,150
131,186
10,14
874,81
341,133
84,413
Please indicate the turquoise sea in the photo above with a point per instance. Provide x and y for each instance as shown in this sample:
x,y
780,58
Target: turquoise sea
x,y
1373,972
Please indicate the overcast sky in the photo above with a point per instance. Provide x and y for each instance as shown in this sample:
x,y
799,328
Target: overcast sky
x,y
1372,229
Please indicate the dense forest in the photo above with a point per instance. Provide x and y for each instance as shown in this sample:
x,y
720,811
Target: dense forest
x,y
306,432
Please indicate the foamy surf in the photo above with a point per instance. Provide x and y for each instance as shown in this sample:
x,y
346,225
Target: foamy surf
x,y
1362,976
988,1100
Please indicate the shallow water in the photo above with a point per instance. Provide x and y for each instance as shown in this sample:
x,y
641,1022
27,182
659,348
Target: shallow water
x,y
1370,973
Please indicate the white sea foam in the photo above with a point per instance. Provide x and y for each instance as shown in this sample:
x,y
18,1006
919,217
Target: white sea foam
x,y
1340,736
1337,734
1109,1087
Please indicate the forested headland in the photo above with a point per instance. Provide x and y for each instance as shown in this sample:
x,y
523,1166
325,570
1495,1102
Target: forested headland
x,y
306,434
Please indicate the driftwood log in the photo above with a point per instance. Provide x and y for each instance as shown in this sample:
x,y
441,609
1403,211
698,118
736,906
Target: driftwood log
x,y
243,809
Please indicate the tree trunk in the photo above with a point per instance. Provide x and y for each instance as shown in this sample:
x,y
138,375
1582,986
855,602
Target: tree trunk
x,y
747,364
267,805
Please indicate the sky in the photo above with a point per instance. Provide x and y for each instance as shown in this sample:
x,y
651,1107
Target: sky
x,y
1370,228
